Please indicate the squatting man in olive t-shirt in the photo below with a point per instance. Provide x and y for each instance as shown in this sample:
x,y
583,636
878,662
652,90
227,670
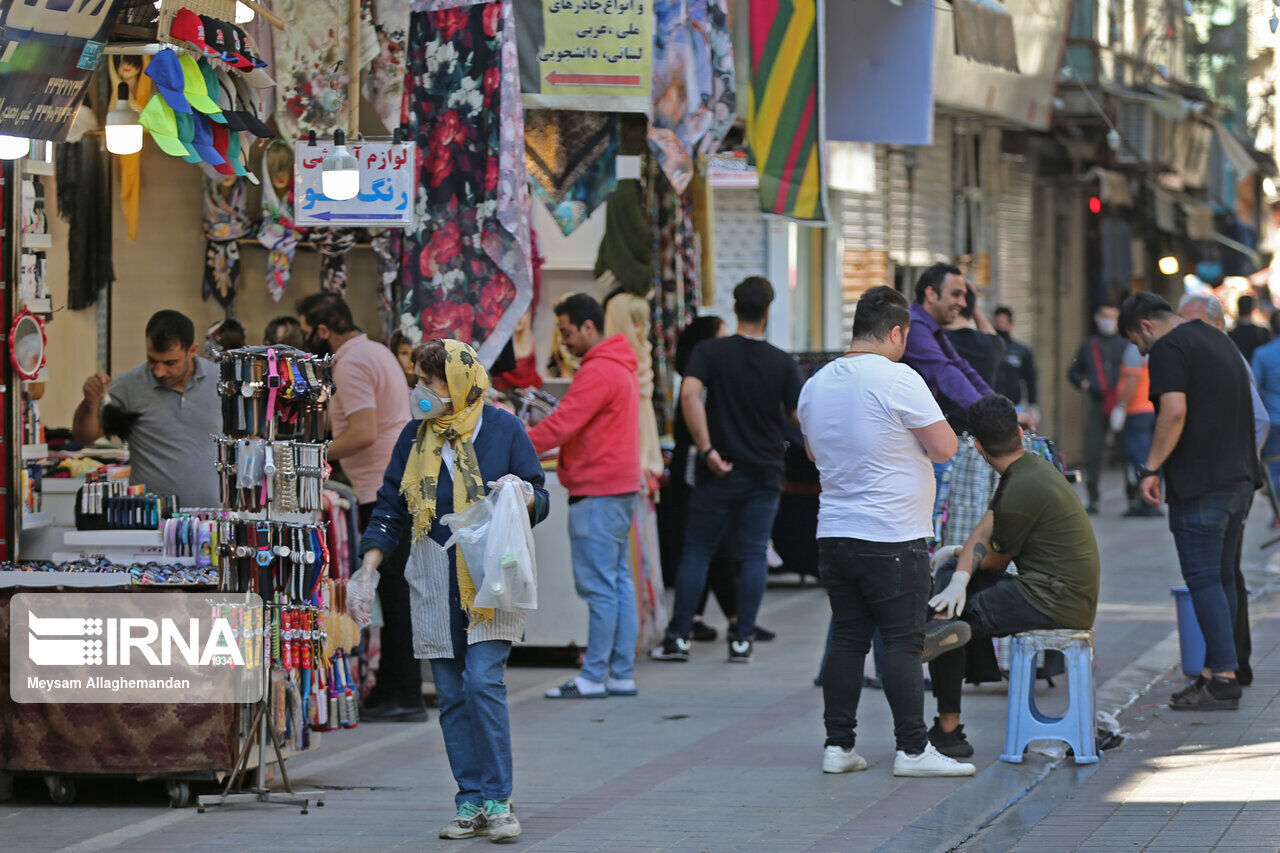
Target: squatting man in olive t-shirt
x,y
1035,520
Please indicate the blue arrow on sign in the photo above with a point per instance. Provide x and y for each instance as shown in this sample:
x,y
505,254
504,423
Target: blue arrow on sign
x,y
328,215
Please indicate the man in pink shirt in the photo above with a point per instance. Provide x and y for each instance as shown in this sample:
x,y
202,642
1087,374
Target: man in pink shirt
x,y
370,407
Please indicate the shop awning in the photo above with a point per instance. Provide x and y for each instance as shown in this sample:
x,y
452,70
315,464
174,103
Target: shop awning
x,y
984,33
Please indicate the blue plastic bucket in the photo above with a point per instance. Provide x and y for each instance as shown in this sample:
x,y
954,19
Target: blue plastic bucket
x,y
1190,640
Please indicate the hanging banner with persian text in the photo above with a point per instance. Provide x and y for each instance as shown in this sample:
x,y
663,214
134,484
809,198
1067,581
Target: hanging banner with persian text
x,y
586,54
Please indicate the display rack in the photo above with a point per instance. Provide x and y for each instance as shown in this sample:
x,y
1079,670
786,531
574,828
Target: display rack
x,y
261,476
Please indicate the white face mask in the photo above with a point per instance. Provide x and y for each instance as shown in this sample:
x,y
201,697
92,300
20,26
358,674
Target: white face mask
x,y
425,404
1107,326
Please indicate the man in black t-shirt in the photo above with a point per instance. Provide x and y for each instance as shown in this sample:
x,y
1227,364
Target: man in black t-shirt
x,y
751,388
1204,446
1247,336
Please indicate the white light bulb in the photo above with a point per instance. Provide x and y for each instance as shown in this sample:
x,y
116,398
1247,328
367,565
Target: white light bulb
x,y
1168,265
14,147
339,172
244,14
124,133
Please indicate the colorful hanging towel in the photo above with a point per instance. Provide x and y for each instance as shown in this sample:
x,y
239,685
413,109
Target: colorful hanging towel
x,y
466,263
784,116
278,233
311,67
693,84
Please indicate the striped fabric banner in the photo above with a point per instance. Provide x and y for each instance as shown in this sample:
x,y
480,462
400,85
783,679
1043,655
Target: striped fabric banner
x,y
785,124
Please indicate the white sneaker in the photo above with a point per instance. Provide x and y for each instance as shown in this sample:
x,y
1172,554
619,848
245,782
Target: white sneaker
x,y
930,763
836,759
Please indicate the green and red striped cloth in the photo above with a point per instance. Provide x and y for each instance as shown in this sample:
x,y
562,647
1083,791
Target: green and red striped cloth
x,y
784,118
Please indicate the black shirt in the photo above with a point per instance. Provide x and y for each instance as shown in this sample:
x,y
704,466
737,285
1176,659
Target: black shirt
x,y
751,386
1216,448
1247,337
1016,369
983,352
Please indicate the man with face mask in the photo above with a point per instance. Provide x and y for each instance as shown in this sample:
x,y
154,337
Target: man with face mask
x,y
369,409
1016,376
166,409
1096,371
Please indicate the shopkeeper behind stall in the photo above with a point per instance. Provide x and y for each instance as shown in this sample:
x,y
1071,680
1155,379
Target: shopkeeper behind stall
x,y
167,410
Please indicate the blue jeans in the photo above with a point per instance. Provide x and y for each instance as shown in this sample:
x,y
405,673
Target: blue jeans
x,y
1139,429
1207,530
474,720
1272,448
744,508
599,532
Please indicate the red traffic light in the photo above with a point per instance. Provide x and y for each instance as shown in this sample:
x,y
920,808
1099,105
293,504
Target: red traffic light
x,y
1095,204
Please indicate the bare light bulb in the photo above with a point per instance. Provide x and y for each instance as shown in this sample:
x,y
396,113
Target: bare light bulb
x,y
123,131
339,172
14,147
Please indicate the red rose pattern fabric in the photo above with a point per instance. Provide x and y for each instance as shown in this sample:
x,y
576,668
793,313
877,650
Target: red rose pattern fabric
x,y
466,271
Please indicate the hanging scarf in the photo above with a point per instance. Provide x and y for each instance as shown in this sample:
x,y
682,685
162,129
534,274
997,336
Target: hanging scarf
x,y
278,233
468,382
333,245
625,249
130,164
383,32
387,247
224,223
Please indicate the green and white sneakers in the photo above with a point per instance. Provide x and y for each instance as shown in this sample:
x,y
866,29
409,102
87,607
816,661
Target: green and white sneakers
x,y
469,822
503,823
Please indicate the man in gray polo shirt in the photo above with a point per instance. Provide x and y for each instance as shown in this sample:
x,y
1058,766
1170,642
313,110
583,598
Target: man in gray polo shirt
x,y
172,403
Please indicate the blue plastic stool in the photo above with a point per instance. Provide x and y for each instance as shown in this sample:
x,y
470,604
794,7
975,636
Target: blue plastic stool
x,y
1025,721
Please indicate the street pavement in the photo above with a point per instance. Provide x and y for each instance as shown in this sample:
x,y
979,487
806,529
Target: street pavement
x,y
720,757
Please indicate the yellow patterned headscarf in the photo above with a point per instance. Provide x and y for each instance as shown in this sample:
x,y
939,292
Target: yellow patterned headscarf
x,y
468,382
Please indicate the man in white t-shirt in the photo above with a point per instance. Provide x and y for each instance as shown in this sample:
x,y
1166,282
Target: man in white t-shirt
x,y
873,429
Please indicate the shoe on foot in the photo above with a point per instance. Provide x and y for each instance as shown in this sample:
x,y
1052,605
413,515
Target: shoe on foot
x,y
951,744
578,688
837,759
672,648
929,763
1091,508
872,683
406,707
944,635
740,651
620,686
702,632
1208,694
503,823
763,635
469,822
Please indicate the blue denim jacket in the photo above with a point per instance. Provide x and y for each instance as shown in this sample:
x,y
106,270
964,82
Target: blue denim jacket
x,y
502,447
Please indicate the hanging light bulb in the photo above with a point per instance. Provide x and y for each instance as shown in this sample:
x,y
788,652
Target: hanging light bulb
x,y
340,173
124,133
244,13
1168,265
14,147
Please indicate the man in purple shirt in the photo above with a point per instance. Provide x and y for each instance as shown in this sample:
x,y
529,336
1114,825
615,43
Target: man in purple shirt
x,y
940,295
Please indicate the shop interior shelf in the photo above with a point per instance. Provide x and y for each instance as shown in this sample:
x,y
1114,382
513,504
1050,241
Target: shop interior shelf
x,y
37,241
42,305
33,520
34,451
37,167
114,537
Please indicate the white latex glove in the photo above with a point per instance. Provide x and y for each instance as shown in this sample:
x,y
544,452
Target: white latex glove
x,y
950,602
940,556
361,588
1118,416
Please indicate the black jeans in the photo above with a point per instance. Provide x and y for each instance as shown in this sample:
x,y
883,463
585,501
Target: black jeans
x,y
874,585
994,608
398,670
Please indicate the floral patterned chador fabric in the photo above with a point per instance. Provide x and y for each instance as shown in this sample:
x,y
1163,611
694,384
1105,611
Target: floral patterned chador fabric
x,y
311,68
466,266
677,292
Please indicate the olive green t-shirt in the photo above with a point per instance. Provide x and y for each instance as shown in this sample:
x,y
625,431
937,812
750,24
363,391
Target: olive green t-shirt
x,y
1040,523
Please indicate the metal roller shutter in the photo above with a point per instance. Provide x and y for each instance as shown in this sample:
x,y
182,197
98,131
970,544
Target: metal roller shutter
x,y
864,243
923,217
1015,235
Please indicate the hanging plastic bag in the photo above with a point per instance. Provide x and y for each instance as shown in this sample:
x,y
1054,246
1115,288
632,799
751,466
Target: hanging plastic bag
x,y
497,544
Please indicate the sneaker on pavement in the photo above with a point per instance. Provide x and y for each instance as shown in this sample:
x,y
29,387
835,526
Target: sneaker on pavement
x,y
944,635
763,635
620,686
837,759
578,688
740,651
672,648
1208,694
702,632
952,744
469,822
929,763
503,823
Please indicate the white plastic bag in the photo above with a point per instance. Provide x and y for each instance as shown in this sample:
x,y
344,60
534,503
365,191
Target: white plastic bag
x,y
497,544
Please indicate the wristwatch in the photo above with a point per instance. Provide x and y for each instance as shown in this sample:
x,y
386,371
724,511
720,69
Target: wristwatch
x,y
1144,473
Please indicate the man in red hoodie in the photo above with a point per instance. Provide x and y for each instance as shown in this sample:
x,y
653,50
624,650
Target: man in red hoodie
x,y
595,427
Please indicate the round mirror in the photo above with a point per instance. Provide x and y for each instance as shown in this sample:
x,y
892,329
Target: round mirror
x,y
26,345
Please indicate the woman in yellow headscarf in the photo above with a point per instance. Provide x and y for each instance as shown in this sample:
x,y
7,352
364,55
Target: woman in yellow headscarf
x,y
441,464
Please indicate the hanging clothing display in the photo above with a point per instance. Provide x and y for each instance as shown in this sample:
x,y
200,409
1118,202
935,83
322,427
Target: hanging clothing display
x,y
333,245
225,221
466,262
694,98
278,233
311,67
383,32
83,200
130,70
677,287
572,158
387,246
626,248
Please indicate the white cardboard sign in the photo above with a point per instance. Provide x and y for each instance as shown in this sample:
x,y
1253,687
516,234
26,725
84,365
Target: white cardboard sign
x,y
386,186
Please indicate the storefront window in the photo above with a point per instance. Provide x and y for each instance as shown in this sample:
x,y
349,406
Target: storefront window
x,y
805,278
